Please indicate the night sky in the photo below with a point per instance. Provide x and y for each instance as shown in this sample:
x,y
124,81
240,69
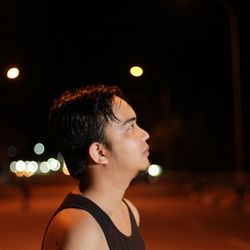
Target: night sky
x,y
184,98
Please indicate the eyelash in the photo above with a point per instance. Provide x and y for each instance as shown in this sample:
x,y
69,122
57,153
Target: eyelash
x,y
132,126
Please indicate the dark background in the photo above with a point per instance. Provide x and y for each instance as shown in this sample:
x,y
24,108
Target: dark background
x,y
184,98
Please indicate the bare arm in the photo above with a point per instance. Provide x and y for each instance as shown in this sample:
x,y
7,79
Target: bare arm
x,y
85,236
73,229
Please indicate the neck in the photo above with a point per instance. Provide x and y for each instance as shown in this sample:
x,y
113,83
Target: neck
x,y
106,189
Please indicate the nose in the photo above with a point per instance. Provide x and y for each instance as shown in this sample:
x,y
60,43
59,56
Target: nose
x,y
145,134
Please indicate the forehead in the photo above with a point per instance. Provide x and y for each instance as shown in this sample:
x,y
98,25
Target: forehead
x,y
122,109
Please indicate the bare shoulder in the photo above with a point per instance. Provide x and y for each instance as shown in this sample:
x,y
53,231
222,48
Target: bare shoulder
x,y
134,211
74,229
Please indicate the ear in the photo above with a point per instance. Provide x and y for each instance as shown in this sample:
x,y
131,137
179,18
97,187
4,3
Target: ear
x,y
97,152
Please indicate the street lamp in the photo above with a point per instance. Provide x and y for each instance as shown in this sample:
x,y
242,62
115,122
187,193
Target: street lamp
x,y
237,100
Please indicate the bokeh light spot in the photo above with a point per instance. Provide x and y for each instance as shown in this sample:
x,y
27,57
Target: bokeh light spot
x,y
39,148
13,73
154,170
136,71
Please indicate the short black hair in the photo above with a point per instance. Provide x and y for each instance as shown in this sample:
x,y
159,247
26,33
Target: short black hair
x,y
77,119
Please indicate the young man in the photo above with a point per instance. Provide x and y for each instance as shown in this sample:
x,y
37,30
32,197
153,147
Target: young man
x,y
104,148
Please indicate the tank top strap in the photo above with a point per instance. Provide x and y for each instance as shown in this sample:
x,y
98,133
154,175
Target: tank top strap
x,y
131,216
82,202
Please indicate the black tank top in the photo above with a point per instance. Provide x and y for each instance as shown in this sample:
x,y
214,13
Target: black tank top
x,y
116,240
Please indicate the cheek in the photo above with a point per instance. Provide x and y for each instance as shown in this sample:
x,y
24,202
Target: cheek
x,y
126,144
131,146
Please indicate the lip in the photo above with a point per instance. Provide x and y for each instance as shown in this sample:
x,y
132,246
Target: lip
x,y
146,151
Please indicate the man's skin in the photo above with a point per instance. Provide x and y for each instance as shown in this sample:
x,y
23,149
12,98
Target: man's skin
x,y
111,172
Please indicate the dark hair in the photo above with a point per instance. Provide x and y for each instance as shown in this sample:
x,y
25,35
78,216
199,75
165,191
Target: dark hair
x,y
77,119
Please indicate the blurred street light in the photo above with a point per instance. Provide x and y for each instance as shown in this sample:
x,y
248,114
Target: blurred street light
x,y
136,71
13,73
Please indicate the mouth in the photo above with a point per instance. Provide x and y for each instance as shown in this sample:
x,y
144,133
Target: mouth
x,y
146,151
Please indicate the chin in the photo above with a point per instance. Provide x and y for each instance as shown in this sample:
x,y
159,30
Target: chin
x,y
145,166
148,163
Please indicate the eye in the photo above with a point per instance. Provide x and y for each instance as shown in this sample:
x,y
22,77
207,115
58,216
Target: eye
x,y
132,126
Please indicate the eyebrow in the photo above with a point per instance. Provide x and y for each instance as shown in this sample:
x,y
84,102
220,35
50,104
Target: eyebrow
x,y
132,119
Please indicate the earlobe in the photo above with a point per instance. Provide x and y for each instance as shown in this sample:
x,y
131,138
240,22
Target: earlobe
x,y
97,153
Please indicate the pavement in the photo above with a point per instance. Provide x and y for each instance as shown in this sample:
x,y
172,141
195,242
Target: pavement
x,y
172,218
